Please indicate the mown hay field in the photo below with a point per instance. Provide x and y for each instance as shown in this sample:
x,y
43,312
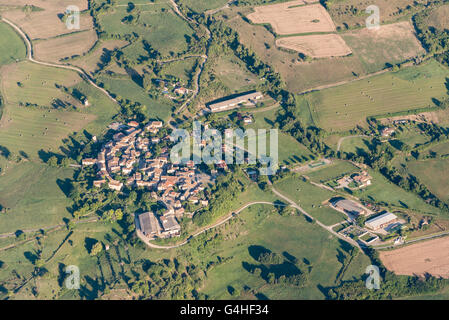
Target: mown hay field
x,y
342,108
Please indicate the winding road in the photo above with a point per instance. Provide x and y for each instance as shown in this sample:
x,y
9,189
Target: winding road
x,y
30,57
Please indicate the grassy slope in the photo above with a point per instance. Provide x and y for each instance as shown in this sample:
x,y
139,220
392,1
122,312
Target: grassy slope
x,y
411,88
11,45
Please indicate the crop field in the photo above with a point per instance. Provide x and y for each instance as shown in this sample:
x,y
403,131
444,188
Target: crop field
x,y
316,46
433,173
343,107
43,24
11,45
333,171
70,45
293,17
29,82
311,199
32,192
156,23
421,258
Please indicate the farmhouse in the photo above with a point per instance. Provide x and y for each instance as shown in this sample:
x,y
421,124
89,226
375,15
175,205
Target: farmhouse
x,y
386,132
381,221
234,102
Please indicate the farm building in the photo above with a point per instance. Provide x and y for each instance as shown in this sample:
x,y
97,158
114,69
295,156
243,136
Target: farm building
x,y
381,221
170,225
234,102
348,206
148,225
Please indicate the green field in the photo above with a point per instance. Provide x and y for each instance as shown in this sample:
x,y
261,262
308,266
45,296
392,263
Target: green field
x,y
128,89
310,198
157,24
11,45
433,173
342,108
333,171
293,235
203,5
381,190
33,193
356,145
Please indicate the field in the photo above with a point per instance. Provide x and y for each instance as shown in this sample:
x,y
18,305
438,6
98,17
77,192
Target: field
x,y
292,235
438,18
43,24
370,52
381,190
37,83
392,43
156,23
316,46
433,173
342,108
356,145
202,6
418,259
351,13
333,171
311,199
90,61
128,89
293,17
11,45
70,45
33,193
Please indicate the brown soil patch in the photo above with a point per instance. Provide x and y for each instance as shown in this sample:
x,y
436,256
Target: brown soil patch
x,y
317,46
294,17
418,259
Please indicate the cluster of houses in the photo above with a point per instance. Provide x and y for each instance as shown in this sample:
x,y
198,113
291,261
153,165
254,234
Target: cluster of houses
x,y
127,155
361,179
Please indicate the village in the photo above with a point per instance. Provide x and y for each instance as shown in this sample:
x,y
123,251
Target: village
x,y
127,157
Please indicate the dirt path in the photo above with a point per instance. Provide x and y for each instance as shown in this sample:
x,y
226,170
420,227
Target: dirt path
x,y
30,54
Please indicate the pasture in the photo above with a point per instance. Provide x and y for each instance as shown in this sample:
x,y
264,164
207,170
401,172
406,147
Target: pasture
x,y
311,198
342,108
33,193
11,45
433,174
34,83
333,171
156,23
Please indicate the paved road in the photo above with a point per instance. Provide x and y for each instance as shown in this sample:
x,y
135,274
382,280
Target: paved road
x,y
30,54
225,219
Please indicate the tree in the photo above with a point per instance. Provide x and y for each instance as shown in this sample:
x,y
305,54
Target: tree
x,y
52,161
96,248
